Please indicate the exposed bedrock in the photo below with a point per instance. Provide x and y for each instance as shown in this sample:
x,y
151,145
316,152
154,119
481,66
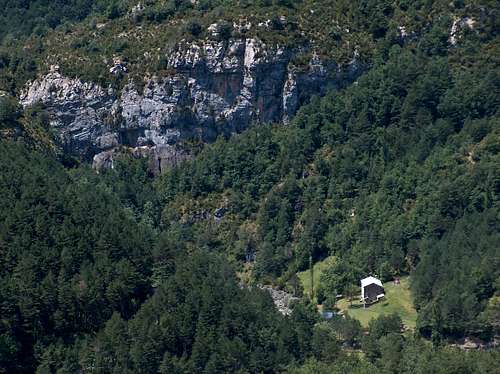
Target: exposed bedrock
x,y
214,87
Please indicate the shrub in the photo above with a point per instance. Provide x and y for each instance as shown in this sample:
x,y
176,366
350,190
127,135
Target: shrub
x,y
225,30
9,110
194,28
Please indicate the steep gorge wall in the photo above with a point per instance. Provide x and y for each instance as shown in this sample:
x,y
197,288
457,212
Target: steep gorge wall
x,y
213,87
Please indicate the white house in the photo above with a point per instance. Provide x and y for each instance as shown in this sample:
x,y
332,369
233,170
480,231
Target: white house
x,y
372,290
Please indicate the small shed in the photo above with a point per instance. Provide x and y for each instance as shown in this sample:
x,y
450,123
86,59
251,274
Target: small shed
x,y
372,290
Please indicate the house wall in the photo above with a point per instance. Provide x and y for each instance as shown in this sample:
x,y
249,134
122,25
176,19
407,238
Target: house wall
x,y
372,290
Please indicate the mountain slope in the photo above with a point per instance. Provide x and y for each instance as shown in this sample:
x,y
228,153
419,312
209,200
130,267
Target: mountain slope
x,y
161,77
388,175
394,173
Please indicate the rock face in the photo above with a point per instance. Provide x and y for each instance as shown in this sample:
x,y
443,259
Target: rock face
x,y
213,87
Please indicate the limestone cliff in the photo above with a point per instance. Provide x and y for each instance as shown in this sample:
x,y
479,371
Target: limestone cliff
x,y
212,87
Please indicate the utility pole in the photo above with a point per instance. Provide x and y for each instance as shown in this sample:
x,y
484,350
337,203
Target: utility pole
x,y
311,268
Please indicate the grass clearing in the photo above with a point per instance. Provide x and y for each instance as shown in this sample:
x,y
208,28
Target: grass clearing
x,y
397,299
319,267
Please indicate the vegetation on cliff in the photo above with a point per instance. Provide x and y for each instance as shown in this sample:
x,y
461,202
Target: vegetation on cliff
x,y
85,40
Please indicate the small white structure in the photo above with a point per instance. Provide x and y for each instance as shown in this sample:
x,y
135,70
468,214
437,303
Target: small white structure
x,y
372,290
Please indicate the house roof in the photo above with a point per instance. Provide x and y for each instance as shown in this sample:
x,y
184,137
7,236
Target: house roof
x,y
369,280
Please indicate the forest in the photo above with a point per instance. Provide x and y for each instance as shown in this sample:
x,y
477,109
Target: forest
x,y
397,174
92,282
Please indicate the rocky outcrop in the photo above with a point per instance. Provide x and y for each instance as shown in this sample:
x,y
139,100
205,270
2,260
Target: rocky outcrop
x,y
457,28
213,87
282,300
471,343
160,157
83,114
